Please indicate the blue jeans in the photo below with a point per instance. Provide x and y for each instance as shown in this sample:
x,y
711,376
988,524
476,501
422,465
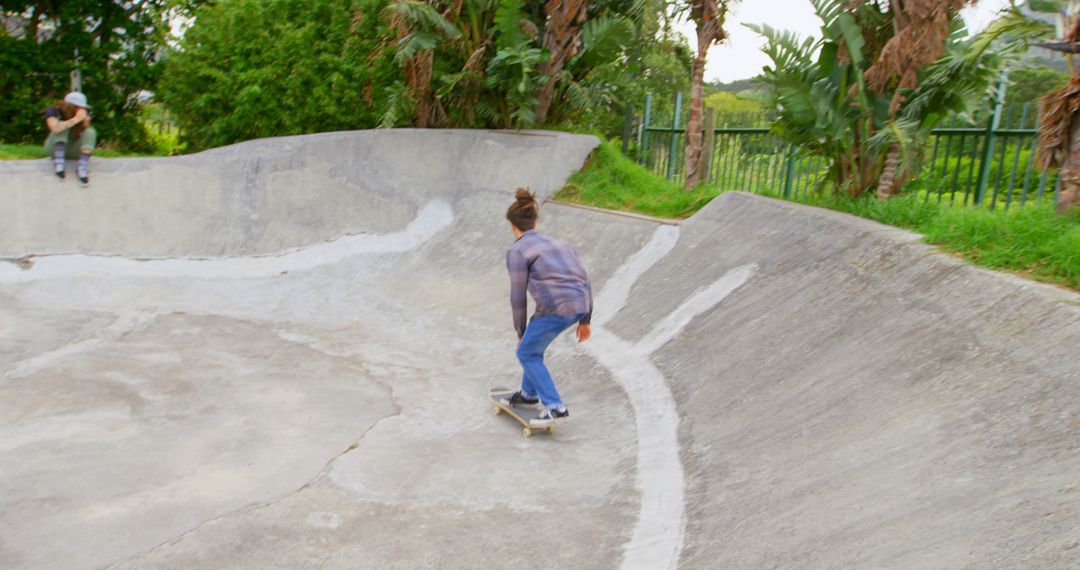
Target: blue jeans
x,y
536,381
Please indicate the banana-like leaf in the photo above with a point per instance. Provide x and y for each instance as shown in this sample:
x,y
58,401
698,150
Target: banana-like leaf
x,y
602,39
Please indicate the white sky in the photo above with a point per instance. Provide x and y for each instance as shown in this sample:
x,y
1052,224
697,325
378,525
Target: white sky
x,y
740,57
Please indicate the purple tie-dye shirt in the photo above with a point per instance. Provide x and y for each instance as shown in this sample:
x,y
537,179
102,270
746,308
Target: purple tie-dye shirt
x,y
549,269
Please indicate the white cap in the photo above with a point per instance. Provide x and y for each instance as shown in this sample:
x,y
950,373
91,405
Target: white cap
x,y
77,99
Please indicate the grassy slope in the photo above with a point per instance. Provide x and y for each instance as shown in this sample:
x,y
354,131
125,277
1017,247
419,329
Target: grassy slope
x,y
609,180
1032,240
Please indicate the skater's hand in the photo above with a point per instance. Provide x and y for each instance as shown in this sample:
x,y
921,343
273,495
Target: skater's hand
x,y
583,333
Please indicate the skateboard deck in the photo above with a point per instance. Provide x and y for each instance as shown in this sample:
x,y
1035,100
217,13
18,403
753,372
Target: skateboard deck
x,y
522,415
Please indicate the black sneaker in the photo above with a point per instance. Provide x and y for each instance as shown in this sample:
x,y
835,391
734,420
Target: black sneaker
x,y
517,400
84,176
59,173
548,417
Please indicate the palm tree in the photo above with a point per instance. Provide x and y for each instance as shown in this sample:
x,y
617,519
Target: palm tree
x,y
419,27
921,29
504,63
562,40
1059,131
708,16
870,124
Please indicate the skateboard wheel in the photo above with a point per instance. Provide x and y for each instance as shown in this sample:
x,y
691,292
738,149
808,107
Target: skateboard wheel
x,y
526,432
551,429
497,409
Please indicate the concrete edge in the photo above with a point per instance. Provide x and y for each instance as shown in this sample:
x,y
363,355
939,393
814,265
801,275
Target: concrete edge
x,y
914,240
20,165
902,237
618,213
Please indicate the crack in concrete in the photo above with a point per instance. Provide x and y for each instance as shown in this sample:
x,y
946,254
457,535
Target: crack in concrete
x,y
397,411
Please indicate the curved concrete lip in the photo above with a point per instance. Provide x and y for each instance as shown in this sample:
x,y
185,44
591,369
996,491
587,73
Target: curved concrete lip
x,y
276,356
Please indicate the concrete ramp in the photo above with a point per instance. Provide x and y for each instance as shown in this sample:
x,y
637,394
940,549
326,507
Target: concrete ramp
x,y
277,354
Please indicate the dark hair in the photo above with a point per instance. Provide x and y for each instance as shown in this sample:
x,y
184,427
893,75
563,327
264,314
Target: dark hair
x,y
524,211
67,111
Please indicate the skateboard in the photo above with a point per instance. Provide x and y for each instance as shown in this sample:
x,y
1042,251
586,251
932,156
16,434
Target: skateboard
x,y
522,415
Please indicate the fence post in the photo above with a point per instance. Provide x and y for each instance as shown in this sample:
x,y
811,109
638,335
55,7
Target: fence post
x,y
643,148
627,127
789,175
674,136
988,142
710,141
76,74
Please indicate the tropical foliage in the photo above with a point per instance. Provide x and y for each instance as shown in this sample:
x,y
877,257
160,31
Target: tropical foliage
x,y
1059,135
246,69
253,68
250,68
866,94
117,44
506,64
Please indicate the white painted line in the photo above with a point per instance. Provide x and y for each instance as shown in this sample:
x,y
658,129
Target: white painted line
x,y
657,539
617,289
700,302
658,535
431,219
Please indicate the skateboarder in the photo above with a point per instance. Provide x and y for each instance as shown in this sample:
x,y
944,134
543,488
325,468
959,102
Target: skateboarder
x,y
70,134
549,269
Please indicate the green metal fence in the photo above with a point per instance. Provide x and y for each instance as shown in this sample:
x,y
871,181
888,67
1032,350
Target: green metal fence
x,y
990,165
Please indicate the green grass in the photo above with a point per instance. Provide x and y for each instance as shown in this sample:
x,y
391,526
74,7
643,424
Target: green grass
x,y
33,151
22,151
610,180
1030,240
1033,240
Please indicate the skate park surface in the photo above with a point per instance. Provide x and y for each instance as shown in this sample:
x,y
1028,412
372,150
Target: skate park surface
x,y
277,355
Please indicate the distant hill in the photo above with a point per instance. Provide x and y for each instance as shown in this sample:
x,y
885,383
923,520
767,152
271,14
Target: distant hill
x,y
732,87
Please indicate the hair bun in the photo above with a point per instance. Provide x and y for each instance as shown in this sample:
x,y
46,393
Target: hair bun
x,y
524,211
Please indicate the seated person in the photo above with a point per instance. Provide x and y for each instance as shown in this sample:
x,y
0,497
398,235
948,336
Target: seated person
x,y
70,134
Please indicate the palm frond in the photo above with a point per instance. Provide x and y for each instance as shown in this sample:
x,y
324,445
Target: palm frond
x,y
508,17
414,43
1013,26
421,16
829,10
602,39
959,80
399,106
904,133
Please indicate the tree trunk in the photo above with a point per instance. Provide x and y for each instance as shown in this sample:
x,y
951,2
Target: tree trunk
x,y
418,77
562,38
1069,195
888,183
694,126
543,100
708,16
